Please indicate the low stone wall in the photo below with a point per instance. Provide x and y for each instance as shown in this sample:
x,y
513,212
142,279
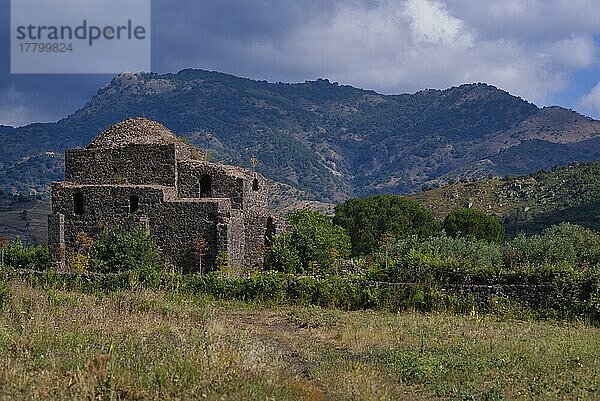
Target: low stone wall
x,y
531,295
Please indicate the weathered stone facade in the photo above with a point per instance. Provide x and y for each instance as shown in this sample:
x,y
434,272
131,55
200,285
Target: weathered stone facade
x,y
137,172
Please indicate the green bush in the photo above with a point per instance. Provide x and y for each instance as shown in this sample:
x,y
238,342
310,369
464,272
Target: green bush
x,y
282,254
535,259
118,250
19,255
370,218
312,244
473,223
538,250
585,243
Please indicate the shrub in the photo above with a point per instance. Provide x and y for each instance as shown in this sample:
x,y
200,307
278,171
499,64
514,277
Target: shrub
x,y
117,250
585,243
473,223
538,250
19,255
368,219
282,254
313,244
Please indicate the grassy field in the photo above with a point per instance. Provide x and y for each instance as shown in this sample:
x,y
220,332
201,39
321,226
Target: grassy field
x,y
157,345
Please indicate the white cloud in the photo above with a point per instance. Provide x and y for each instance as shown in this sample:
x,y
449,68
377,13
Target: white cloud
x,y
591,102
571,52
528,47
404,46
431,23
528,21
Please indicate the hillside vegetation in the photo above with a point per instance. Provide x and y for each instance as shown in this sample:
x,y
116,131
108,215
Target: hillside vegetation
x,y
328,140
527,203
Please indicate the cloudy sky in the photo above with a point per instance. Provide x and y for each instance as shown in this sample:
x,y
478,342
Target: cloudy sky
x,y
546,51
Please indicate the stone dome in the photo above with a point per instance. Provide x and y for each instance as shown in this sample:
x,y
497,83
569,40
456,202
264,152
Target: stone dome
x,y
134,131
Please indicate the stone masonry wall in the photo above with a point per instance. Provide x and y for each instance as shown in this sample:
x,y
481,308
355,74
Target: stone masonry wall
x,y
255,231
227,182
236,240
179,225
103,206
176,225
223,185
132,164
256,199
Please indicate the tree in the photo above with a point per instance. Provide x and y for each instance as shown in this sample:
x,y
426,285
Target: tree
x,y
473,223
312,242
369,218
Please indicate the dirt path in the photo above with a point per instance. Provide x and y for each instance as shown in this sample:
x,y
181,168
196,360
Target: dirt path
x,y
277,333
308,350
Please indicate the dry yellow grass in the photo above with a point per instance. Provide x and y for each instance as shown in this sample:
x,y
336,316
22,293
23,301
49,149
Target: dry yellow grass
x,y
157,345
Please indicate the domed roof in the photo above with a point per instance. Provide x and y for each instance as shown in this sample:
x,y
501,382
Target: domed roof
x,y
137,131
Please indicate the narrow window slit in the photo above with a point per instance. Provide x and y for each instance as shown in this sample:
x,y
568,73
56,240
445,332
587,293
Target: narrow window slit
x,y
134,203
78,203
206,186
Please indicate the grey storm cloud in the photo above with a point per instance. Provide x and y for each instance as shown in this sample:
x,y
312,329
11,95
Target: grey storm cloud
x,y
530,48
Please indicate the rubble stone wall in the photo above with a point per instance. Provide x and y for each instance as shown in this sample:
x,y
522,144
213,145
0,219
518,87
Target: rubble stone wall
x,y
230,182
256,198
176,225
236,240
180,226
137,173
223,185
131,164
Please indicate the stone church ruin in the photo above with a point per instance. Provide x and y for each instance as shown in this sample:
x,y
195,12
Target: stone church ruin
x,y
137,172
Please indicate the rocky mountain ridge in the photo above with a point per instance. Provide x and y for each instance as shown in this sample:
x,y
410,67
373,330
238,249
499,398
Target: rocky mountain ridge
x,y
323,141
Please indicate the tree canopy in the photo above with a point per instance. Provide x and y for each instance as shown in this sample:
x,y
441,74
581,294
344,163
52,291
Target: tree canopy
x,y
368,219
473,223
312,243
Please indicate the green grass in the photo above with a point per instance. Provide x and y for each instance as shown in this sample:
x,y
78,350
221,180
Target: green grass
x,y
164,345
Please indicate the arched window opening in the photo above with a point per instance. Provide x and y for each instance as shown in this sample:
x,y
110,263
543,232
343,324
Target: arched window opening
x,y
255,184
78,203
206,186
134,203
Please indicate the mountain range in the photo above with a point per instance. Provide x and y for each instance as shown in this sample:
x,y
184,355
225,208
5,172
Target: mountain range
x,y
319,140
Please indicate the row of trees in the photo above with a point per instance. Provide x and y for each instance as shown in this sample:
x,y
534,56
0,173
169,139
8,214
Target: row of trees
x,y
368,219
316,243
